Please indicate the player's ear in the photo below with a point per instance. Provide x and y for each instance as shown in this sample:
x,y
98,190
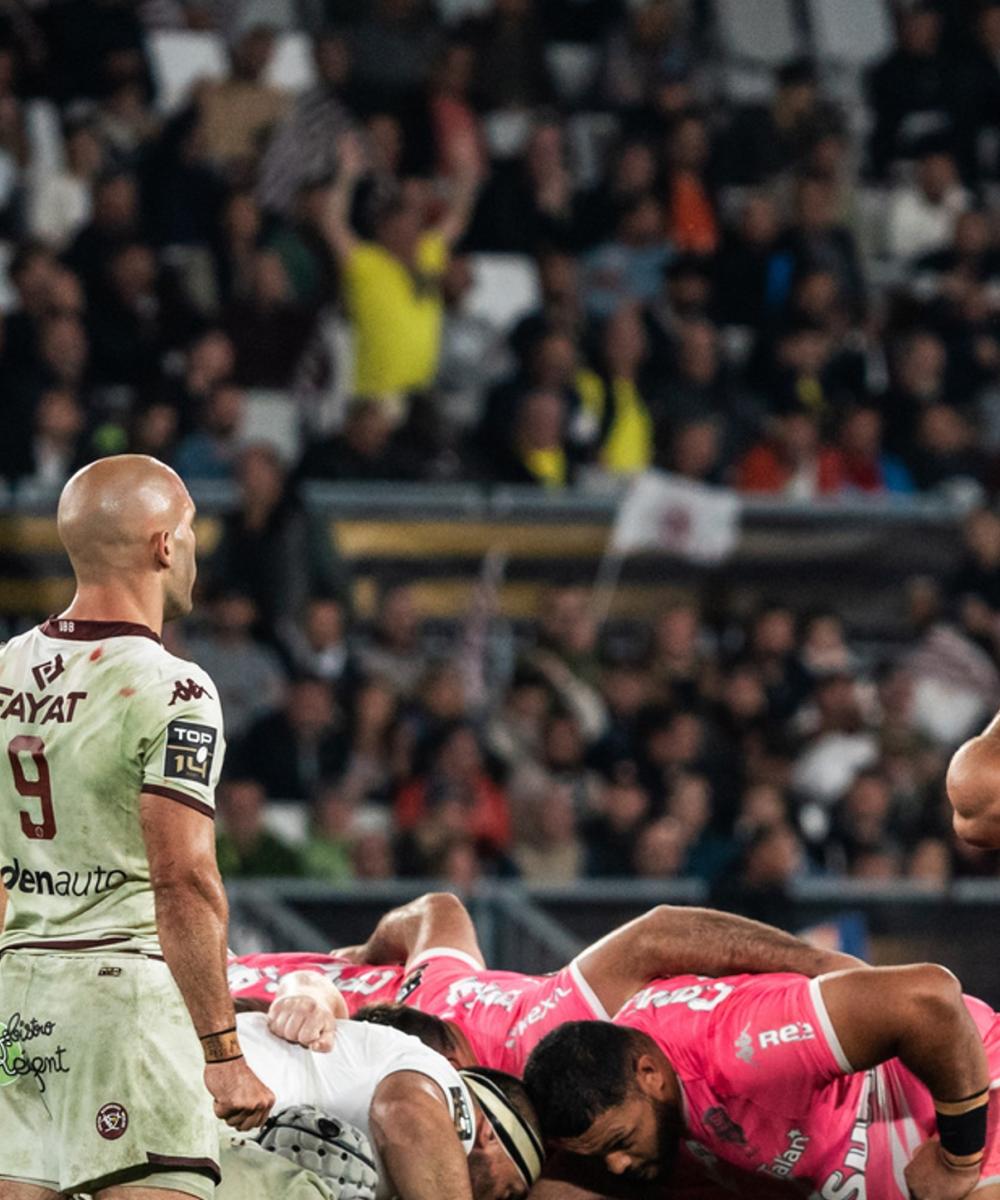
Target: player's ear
x,y
648,1076
484,1133
163,548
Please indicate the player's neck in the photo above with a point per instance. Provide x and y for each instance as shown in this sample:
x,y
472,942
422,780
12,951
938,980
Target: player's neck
x,y
102,602
464,1047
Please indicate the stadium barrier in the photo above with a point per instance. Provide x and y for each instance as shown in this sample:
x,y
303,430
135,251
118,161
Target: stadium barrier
x,y
849,553
539,929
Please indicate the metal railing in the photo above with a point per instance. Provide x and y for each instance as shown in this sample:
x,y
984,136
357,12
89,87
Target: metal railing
x,y
539,929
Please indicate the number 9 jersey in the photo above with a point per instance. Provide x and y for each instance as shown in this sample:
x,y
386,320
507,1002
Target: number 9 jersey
x,y
92,715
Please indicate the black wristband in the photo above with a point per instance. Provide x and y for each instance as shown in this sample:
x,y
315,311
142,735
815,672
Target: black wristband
x,y
963,1135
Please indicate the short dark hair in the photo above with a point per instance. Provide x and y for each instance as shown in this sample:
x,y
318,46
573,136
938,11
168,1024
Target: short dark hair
x,y
432,1031
578,1072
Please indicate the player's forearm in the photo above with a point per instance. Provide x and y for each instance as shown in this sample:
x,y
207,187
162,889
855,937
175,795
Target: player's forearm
x,y
421,1153
192,918
973,785
679,940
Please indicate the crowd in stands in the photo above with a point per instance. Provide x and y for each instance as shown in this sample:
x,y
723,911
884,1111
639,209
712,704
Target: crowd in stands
x,y
747,753
714,295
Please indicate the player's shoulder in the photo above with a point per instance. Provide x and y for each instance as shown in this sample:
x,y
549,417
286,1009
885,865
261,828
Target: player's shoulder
x,y
185,679
20,642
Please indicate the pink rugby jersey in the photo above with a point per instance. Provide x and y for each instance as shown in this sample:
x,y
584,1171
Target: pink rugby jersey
x,y
256,977
767,1090
503,1014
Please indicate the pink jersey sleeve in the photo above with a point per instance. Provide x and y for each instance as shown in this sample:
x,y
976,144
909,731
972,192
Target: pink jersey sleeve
x,y
768,1036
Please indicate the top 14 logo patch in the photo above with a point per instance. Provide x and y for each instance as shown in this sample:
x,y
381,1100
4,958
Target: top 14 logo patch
x,y
190,751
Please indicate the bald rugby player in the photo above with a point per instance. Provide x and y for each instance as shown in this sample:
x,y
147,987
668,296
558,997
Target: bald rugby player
x,y
117,1031
974,788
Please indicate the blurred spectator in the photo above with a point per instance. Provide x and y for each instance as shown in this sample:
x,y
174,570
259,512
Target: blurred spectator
x,y
692,226
247,673
511,71
59,203
292,752
945,453
862,824
550,850
454,123
395,653
327,854
269,329
56,447
393,50
793,462
369,447
749,274
639,54
245,847
115,222
661,850
304,146
210,451
270,548
765,140
613,834
318,646
238,112
392,284
923,215
455,797
628,267
529,201
538,450
614,396
910,90
867,467
918,383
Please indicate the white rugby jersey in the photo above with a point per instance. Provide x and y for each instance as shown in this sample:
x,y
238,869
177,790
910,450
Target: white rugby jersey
x,y
93,714
343,1082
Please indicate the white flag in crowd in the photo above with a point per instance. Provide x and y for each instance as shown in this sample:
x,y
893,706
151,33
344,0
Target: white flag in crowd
x,y
675,516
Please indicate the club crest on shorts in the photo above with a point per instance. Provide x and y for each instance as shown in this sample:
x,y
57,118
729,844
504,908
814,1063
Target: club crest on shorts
x,y
112,1120
190,751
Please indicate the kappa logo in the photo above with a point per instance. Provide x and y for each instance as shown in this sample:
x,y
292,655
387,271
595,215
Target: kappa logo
x,y
744,1046
112,1120
47,672
187,689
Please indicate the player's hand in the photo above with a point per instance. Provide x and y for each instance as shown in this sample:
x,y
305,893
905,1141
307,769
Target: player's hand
x,y
241,1100
929,1178
303,1020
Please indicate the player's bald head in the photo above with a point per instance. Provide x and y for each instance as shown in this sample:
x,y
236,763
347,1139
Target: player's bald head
x,y
110,510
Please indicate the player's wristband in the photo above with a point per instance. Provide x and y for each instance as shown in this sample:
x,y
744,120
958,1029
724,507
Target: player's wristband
x,y
222,1046
962,1129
